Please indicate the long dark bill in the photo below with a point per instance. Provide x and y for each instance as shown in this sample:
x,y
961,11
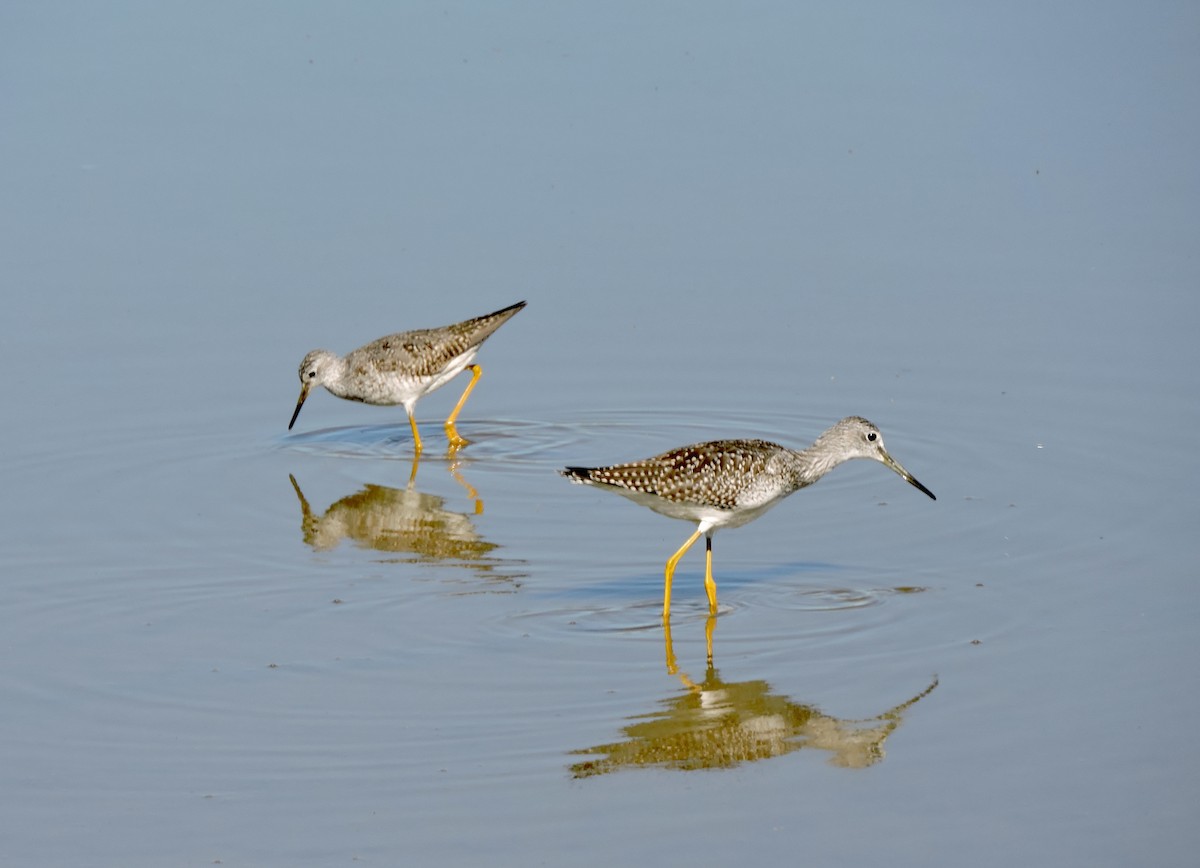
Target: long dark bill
x,y
300,403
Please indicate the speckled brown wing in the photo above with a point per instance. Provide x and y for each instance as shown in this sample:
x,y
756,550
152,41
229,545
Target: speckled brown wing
x,y
426,352
705,474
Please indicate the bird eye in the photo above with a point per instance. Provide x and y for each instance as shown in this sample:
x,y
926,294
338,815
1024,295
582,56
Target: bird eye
x,y
312,374
871,435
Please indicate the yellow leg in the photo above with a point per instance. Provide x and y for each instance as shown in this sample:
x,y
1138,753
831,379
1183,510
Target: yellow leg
x,y
670,572
412,420
710,586
672,666
710,624
451,432
471,492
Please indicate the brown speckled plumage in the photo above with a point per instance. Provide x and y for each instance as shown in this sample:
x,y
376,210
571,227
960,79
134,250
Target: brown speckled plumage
x,y
727,483
426,352
719,474
400,368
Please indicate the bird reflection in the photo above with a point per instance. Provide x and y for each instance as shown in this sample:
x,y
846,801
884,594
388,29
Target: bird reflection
x,y
401,520
718,724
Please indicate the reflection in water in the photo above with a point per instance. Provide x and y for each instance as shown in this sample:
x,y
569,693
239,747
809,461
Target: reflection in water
x,y
715,724
402,520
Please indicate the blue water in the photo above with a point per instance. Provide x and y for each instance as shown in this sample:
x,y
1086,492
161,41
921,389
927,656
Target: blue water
x,y
974,228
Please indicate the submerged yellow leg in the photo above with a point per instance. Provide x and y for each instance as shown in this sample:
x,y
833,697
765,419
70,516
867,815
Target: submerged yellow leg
x,y
412,420
471,492
672,666
710,586
451,432
710,624
671,572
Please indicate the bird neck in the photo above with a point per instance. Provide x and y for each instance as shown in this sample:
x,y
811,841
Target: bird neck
x,y
812,463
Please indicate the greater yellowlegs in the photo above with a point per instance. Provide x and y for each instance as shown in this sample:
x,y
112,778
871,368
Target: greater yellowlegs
x,y
727,483
400,368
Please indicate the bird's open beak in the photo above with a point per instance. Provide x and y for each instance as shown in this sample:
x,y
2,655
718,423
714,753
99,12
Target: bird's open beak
x,y
890,462
304,394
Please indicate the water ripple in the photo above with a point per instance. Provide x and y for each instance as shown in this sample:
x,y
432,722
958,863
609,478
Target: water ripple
x,y
629,433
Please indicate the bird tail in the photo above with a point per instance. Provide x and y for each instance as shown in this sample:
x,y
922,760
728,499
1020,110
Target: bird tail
x,y
580,475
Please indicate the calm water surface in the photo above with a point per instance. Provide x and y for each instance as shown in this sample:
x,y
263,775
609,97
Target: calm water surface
x,y
222,641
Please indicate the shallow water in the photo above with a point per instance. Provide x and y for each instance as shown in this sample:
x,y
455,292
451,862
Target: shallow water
x,y
227,641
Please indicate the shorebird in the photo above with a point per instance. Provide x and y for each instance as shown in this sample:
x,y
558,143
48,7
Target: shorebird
x,y
400,368
727,483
